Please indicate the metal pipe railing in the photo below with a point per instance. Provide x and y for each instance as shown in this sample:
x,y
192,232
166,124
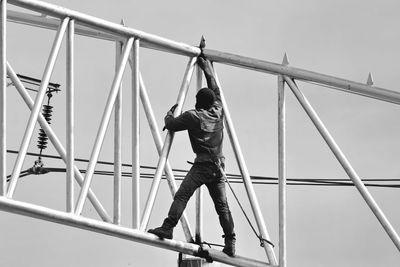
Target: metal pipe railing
x,y
344,162
103,126
36,107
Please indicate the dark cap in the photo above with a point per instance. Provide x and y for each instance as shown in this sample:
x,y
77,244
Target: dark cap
x,y
205,98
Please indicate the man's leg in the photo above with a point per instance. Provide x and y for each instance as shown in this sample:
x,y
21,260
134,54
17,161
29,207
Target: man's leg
x,y
218,194
188,186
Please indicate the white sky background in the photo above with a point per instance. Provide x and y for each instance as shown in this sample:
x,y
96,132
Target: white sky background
x,y
327,226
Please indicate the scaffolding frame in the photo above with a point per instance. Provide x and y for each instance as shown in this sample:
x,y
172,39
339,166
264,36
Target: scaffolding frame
x,y
128,43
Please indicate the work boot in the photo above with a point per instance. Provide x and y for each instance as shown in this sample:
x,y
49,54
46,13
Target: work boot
x,y
229,248
162,232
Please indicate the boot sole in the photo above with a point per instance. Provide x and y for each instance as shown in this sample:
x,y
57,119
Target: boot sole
x,y
159,235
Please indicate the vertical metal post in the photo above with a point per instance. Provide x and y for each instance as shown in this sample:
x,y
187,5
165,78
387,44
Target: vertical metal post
x,y
70,117
344,162
159,144
36,108
55,141
103,126
117,142
135,137
246,179
199,215
167,145
282,170
199,192
3,88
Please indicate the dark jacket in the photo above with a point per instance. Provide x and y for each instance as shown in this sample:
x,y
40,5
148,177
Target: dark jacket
x,y
205,128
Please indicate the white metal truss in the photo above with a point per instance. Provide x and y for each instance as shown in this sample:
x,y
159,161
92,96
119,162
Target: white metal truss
x,y
128,42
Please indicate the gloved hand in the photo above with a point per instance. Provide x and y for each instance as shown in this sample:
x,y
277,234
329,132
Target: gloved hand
x,y
202,62
201,59
171,112
172,109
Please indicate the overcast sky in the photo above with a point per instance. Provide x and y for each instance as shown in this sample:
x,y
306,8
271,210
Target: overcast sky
x,y
327,226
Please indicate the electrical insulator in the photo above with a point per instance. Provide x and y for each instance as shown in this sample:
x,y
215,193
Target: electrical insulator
x,y
47,113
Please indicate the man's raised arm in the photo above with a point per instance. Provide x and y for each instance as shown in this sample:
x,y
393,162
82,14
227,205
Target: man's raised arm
x,y
206,66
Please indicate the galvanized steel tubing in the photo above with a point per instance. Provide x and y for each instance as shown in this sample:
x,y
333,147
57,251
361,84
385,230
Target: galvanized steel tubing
x,y
109,229
3,102
70,135
103,126
301,74
199,191
135,136
159,145
246,179
282,170
167,145
117,142
56,142
98,28
344,162
36,107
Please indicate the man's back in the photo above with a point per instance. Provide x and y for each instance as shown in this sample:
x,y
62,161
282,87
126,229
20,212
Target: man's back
x,y
205,128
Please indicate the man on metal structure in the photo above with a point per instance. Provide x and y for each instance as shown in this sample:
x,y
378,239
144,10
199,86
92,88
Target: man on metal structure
x,y
205,127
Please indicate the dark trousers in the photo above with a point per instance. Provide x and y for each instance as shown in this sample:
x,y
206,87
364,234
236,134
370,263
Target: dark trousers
x,y
207,173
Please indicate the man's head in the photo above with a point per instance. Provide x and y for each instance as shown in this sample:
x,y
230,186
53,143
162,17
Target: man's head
x,y
205,98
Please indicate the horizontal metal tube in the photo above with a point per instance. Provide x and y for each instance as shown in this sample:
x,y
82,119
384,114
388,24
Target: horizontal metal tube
x,y
107,26
301,74
52,24
69,219
222,57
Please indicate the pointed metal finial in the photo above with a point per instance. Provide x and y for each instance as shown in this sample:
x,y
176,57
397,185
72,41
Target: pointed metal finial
x,y
285,60
202,42
122,22
370,81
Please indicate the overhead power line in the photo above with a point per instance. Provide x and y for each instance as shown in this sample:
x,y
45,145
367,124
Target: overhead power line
x,y
179,174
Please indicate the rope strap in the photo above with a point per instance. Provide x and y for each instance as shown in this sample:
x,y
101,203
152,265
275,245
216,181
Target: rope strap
x,y
259,236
